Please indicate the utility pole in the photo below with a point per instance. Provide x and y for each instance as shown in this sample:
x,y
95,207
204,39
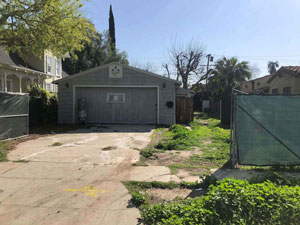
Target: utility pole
x,y
210,58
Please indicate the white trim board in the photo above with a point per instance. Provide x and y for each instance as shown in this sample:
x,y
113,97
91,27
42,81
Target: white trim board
x,y
116,86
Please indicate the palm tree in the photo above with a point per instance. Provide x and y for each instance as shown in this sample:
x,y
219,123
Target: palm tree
x,y
272,66
228,74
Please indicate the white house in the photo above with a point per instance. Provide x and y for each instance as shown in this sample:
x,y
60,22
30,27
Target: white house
x,y
17,73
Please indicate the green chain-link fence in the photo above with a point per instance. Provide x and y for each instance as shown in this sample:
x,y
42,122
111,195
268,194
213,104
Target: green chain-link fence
x,y
13,115
266,130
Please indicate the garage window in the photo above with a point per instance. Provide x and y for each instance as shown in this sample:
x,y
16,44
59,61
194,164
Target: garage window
x,y
115,97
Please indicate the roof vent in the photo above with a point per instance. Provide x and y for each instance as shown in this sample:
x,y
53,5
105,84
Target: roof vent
x,y
115,71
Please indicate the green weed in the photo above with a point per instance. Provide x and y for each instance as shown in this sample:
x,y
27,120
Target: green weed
x,y
56,144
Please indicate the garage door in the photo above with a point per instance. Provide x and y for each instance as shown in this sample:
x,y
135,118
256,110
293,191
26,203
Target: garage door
x,y
126,105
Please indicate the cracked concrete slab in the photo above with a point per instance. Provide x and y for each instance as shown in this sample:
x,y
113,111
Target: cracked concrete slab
x,y
150,173
77,182
6,166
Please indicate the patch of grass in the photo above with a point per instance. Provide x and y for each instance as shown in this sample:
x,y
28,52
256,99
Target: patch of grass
x,y
137,186
8,145
56,144
140,163
4,148
157,136
109,148
205,135
271,168
137,189
211,139
187,166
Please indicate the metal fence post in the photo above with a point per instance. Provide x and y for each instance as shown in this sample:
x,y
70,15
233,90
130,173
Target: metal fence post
x,y
231,131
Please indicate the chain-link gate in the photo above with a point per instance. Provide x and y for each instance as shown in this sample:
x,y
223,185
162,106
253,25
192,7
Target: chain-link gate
x,y
265,129
13,115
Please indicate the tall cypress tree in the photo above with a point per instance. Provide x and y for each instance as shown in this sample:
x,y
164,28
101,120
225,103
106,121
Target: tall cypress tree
x,y
112,34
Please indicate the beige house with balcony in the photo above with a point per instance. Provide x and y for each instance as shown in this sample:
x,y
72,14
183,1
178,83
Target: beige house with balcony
x,y
17,73
256,85
285,81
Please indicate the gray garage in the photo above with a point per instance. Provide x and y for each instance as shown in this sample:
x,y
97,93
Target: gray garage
x,y
117,94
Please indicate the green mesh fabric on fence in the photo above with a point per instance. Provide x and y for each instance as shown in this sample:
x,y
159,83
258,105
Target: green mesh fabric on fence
x,y
13,115
268,130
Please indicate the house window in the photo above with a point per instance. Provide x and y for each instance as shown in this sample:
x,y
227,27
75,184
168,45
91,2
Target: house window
x,y
287,90
48,86
54,88
275,91
258,84
115,98
58,66
49,64
246,86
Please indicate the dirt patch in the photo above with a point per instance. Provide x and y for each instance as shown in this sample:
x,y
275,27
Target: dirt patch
x,y
170,157
166,195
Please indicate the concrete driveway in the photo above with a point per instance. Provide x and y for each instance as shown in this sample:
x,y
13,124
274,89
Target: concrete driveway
x,y
78,182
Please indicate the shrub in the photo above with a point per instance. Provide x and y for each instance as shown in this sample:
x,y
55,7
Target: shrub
x,y
208,180
231,201
179,212
138,198
277,178
147,153
42,106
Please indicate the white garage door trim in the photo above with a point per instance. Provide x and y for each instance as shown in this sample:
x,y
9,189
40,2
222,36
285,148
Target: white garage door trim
x,y
116,86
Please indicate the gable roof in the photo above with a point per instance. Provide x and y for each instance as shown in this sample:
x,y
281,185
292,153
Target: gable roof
x,y
291,70
107,65
11,59
256,79
64,74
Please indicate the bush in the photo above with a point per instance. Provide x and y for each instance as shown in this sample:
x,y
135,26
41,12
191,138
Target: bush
x,y
138,198
180,212
42,106
277,178
232,201
147,153
207,181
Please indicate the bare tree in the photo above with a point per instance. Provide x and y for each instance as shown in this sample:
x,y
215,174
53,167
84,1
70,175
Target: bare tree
x,y
254,70
187,61
166,67
150,67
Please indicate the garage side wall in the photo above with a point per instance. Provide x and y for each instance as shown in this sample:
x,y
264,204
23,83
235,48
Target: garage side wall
x,y
130,78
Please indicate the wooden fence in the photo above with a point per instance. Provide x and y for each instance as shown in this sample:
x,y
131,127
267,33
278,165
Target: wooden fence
x,y
184,110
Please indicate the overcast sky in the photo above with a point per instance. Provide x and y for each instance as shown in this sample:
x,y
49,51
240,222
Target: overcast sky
x,y
253,30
